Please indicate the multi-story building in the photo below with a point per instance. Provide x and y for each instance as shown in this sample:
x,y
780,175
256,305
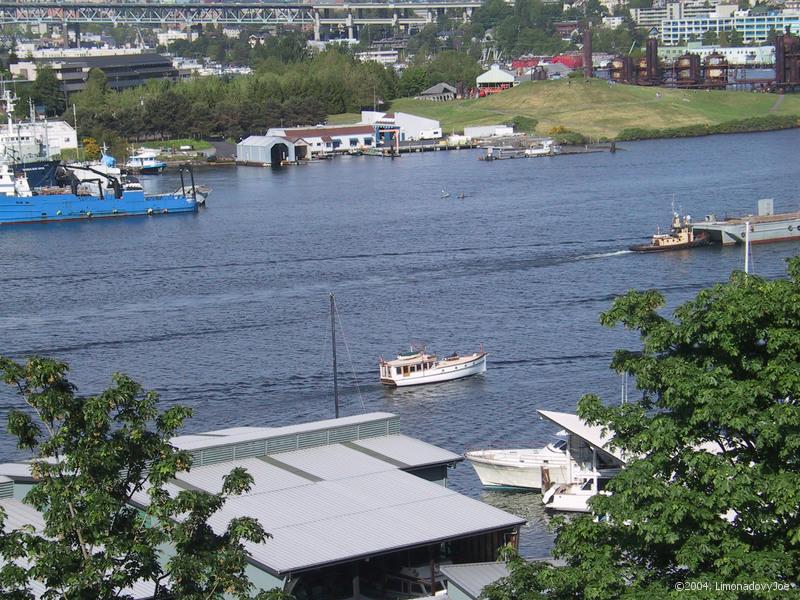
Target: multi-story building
x,y
121,70
753,27
652,17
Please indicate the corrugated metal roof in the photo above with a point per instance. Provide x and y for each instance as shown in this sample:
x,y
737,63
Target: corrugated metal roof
x,y
16,470
19,514
590,433
268,478
199,441
407,450
325,522
473,577
333,462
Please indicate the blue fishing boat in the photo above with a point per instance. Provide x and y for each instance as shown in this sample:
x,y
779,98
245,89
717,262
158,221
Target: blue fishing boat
x,y
54,191
73,198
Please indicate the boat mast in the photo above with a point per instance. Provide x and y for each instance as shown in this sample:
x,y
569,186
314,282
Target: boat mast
x,y
333,343
747,248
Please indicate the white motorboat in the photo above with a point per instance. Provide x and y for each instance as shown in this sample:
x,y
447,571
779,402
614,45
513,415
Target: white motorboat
x,y
574,497
592,461
545,147
417,367
145,161
522,468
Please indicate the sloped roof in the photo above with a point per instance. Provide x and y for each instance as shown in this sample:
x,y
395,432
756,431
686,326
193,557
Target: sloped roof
x,y
471,578
438,89
331,131
496,75
592,434
339,502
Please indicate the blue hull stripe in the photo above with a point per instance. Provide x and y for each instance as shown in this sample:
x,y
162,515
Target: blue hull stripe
x,y
69,207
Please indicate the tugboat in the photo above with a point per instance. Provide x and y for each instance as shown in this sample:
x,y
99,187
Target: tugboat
x,y
680,237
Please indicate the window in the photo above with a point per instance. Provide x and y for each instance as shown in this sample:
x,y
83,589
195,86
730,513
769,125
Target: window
x,y
367,141
354,141
336,144
397,370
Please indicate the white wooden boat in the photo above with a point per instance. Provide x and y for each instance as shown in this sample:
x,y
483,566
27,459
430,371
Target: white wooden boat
x,y
417,367
522,468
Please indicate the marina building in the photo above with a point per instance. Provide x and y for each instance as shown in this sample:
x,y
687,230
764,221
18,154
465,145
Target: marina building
x,y
409,127
353,506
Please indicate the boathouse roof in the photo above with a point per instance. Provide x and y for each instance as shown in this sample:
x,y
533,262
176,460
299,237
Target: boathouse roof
x,y
329,492
592,434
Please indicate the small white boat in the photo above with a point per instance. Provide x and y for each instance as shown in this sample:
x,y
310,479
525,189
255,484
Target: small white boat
x,y
574,497
145,161
545,147
522,468
417,367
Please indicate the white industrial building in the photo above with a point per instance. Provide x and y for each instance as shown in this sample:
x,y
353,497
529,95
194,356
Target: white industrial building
x,y
325,140
351,504
410,127
487,131
386,57
41,139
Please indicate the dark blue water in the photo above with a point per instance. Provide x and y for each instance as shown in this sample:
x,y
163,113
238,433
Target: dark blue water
x,y
227,311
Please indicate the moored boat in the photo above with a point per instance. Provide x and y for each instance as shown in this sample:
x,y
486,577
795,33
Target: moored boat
x,y
521,468
545,147
680,237
146,162
73,199
417,367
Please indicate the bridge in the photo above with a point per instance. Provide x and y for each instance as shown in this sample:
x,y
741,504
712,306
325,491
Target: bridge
x,y
403,14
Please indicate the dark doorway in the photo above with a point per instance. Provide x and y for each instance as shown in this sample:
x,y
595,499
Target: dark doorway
x,y
277,154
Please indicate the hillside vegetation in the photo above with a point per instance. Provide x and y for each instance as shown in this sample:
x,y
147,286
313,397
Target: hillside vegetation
x,y
597,109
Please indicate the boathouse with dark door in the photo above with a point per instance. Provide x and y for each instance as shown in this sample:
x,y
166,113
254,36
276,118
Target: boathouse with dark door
x,y
355,508
271,150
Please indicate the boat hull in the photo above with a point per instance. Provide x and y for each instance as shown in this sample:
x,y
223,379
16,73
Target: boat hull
x,y
698,242
70,207
459,370
526,473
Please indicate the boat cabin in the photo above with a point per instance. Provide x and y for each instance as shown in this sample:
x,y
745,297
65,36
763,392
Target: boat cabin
x,y
417,366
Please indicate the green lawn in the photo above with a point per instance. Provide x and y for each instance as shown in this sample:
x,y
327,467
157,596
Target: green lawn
x,y
344,119
176,144
597,109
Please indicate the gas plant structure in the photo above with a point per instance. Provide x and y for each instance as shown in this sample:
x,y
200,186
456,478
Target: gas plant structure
x,y
712,72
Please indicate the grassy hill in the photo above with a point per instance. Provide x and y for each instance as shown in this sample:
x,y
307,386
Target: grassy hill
x,y
597,109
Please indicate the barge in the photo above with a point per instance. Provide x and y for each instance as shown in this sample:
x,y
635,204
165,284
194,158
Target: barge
x,y
765,227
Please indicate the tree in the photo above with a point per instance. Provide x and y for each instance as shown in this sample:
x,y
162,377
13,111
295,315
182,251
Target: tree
x,y
712,487
91,148
710,38
92,454
47,91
